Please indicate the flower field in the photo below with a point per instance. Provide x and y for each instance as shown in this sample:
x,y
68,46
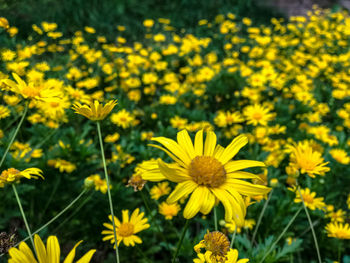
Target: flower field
x,y
227,143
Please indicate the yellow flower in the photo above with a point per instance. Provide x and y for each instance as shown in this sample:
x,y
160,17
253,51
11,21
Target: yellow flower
x,y
337,216
123,119
4,112
4,23
30,91
100,184
310,199
340,156
62,165
217,250
50,254
12,175
148,23
257,115
127,229
159,190
338,230
205,171
95,111
169,210
306,159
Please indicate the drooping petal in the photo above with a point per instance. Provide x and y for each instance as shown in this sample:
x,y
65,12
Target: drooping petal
x,y
246,188
172,156
208,203
195,202
233,148
181,190
242,175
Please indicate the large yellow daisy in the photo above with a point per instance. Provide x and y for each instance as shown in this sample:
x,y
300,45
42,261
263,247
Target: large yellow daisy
x,y
206,172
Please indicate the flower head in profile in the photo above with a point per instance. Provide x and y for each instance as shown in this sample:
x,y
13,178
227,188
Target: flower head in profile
x,y
96,181
126,229
306,160
94,111
51,253
215,248
338,230
12,175
206,172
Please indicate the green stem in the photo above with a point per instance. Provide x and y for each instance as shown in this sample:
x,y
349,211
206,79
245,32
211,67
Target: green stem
x,y
310,223
57,216
233,237
215,219
24,217
281,235
53,192
108,191
180,241
15,134
261,216
74,212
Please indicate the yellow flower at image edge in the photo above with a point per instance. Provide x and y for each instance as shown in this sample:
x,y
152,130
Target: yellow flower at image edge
x,y
207,173
338,230
217,250
12,175
49,254
94,111
126,229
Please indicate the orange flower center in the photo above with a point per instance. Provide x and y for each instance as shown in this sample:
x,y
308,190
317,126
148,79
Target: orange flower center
x,y
218,244
9,174
308,198
206,170
126,229
257,116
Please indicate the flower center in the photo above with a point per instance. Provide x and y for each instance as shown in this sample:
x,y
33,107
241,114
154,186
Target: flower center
x,y
308,198
207,171
126,229
31,92
218,244
257,116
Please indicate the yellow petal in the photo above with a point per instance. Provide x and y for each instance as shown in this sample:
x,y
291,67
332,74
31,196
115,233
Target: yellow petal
x,y
233,148
40,249
87,257
71,255
198,143
246,188
194,204
210,144
181,190
172,174
243,175
242,164
208,203
53,249
185,142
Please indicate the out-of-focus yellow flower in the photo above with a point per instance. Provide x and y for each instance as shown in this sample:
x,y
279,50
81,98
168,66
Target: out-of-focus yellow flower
x,y
12,175
159,190
310,199
123,118
100,184
4,23
169,210
148,23
338,230
94,111
62,165
340,156
49,254
126,229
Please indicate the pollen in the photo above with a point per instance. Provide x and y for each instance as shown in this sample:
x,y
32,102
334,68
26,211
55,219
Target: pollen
x,y
217,243
207,171
126,229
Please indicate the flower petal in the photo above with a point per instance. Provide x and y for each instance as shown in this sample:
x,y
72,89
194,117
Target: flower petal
x,y
185,142
210,143
234,166
233,148
194,204
181,190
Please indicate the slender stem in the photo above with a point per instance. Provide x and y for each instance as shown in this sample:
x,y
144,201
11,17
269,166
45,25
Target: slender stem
x,y
215,219
15,134
233,237
151,219
108,190
24,217
311,225
53,192
180,241
261,216
281,235
74,212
